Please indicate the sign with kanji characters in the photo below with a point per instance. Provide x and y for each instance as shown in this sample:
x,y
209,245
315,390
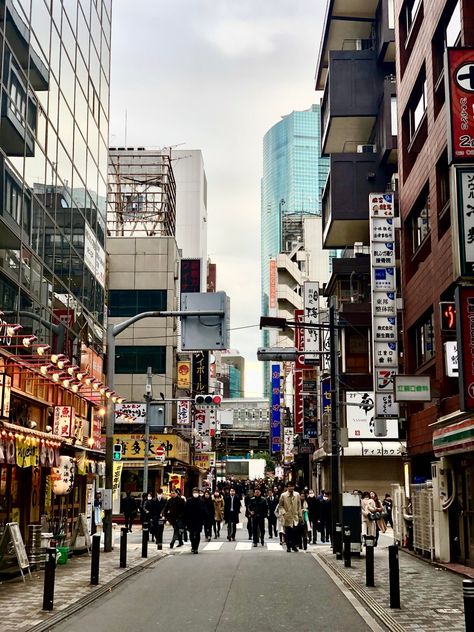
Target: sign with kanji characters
x,y
275,413
311,335
299,339
205,460
386,406
288,447
383,279
465,335
272,303
451,358
184,374
5,390
459,81
412,388
63,423
385,354
384,254
359,414
381,205
310,416
464,236
384,304
385,329
133,446
130,413
382,230
298,409
183,414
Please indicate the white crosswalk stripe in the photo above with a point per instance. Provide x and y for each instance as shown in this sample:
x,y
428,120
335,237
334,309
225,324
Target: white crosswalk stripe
x,y
243,546
213,546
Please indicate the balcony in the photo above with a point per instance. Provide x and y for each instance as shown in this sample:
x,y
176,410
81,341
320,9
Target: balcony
x,y
385,26
346,25
345,198
351,100
387,124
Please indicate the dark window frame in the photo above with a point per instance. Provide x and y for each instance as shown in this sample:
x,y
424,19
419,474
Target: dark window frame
x,y
127,303
424,339
133,359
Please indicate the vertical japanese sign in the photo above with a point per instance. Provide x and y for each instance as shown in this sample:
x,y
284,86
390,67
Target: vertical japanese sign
x,y
465,333
384,314
464,236
201,372
5,391
275,417
459,77
272,303
183,417
310,409
311,317
63,420
184,374
288,445
298,401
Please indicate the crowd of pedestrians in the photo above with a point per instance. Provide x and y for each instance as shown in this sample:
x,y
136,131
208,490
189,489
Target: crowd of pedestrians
x,y
273,510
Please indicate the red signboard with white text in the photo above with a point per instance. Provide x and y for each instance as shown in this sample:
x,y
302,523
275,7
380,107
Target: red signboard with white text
x,y
459,73
298,401
465,334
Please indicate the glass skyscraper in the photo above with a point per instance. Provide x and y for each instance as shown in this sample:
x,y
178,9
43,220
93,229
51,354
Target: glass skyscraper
x,y
294,175
53,162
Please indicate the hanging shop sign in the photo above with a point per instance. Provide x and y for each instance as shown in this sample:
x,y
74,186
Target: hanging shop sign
x,y
117,474
273,284
465,335
96,430
311,335
275,416
463,236
200,372
27,451
184,374
5,392
451,359
299,340
310,421
133,446
288,445
183,415
130,413
63,421
62,477
205,460
298,404
384,320
412,388
459,77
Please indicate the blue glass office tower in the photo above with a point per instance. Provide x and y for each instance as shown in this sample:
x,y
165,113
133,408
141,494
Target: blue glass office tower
x,y
294,174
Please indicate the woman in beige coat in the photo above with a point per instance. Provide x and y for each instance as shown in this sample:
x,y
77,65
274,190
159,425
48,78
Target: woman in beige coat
x,y
367,506
218,513
291,514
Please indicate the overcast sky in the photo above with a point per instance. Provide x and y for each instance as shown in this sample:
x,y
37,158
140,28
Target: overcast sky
x,y
216,75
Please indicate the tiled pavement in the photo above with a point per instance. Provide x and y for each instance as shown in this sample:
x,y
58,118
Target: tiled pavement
x,y
430,597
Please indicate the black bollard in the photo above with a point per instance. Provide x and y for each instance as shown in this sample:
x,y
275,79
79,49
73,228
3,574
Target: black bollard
x,y
468,595
145,536
369,560
95,559
123,547
347,546
49,577
159,533
338,541
394,575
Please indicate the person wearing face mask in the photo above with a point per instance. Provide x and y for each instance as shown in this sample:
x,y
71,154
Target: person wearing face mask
x,y
312,515
157,506
218,502
194,517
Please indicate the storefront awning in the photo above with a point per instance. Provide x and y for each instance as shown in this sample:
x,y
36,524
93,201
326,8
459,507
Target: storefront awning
x,y
38,434
454,439
138,465
367,448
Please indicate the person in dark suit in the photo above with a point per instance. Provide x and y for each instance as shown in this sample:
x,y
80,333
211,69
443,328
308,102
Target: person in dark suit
x,y
231,513
272,502
313,505
157,506
258,510
194,517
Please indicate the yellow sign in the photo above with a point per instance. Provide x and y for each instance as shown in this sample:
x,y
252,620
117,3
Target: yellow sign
x,y
133,447
205,460
27,452
117,474
184,375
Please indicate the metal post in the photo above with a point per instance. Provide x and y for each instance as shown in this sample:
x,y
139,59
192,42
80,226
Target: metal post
x,y
347,547
394,575
468,595
335,453
123,547
49,577
369,560
159,533
338,541
148,398
95,559
145,537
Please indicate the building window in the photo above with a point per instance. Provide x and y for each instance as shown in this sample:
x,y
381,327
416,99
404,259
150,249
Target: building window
x,y
420,222
424,340
443,194
411,12
393,116
125,303
133,359
453,29
448,33
417,108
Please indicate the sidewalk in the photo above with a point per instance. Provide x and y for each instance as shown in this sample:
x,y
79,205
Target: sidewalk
x,y
430,597
21,602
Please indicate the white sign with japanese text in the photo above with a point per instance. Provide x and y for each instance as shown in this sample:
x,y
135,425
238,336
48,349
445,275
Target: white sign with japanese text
x,y
310,317
130,413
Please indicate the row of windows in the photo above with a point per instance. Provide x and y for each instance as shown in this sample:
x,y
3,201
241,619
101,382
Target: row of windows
x,y
133,359
126,303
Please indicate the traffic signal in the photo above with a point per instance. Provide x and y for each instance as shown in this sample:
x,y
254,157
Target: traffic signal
x,y
208,400
448,316
118,451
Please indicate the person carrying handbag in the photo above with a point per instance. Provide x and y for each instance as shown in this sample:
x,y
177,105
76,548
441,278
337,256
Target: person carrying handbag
x,y
368,510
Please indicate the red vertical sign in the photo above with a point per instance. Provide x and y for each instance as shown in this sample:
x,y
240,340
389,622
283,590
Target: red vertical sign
x,y
460,79
298,414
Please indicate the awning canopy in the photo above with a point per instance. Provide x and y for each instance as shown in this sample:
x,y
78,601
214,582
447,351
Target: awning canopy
x,y
367,448
454,439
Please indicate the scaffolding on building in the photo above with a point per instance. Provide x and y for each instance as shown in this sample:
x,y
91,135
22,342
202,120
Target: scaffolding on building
x,y
141,197
292,231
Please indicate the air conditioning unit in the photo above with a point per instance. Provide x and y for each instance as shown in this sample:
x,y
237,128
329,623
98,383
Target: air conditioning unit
x,y
366,149
394,183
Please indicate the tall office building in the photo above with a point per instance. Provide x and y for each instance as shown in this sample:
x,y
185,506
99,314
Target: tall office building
x,y
294,174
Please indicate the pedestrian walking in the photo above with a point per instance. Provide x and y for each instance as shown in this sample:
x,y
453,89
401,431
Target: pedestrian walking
x,y
289,507
129,510
387,506
231,513
157,506
379,521
272,503
258,510
194,517
304,528
218,502
174,514
324,511
367,506
313,515
209,515
247,500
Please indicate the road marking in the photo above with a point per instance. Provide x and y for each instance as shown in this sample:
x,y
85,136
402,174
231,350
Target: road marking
x,y
243,546
213,546
273,546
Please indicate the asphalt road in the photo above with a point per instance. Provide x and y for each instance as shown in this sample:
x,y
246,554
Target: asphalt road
x,y
224,591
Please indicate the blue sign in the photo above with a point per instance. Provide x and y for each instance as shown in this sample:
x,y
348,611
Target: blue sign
x,y
326,396
275,429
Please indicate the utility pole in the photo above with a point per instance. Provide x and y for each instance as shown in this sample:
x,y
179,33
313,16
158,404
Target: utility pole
x,y
335,431
148,398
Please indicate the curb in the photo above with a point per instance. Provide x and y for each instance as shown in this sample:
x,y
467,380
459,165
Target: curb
x,y
67,612
363,595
